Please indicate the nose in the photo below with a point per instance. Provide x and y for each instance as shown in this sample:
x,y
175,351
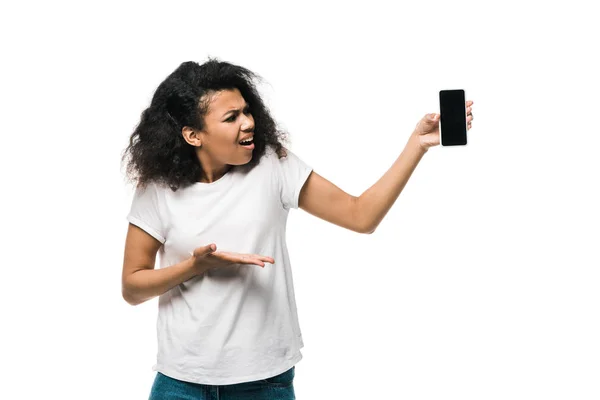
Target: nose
x,y
248,124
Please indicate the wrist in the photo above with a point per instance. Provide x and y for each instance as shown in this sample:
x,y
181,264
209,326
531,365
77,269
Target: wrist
x,y
194,266
415,145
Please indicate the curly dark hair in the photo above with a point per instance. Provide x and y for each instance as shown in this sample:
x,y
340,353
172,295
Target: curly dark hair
x,y
157,149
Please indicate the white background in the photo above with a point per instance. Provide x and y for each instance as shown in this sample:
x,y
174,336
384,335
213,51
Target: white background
x,y
482,282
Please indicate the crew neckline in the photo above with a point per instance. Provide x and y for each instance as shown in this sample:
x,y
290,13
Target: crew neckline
x,y
222,179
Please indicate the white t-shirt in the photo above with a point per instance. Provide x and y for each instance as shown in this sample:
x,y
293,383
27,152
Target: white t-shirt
x,y
238,323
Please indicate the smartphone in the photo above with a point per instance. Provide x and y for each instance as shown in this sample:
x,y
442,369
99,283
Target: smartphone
x,y
453,117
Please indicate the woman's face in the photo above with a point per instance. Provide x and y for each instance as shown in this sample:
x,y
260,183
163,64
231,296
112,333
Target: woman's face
x,y
227,122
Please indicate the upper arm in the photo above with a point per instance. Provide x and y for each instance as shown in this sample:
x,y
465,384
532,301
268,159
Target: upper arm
x,y
140,253
325,200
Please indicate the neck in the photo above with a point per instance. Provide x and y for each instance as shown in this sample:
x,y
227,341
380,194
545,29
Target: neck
x,y
209,175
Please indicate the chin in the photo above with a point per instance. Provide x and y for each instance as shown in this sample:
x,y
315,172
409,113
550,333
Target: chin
x,y
245,161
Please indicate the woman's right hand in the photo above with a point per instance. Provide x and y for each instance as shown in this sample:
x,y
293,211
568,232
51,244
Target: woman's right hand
x,y
206,258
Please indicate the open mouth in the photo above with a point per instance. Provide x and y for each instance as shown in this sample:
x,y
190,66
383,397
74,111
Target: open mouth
x,y
248,142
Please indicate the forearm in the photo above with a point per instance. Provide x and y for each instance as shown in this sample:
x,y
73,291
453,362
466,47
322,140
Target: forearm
x,y
146,284
375,202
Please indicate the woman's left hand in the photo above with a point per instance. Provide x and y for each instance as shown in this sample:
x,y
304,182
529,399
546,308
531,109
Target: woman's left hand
x,y
427,131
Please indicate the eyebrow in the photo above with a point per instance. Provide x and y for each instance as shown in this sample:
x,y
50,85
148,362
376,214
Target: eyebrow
x,y
236,110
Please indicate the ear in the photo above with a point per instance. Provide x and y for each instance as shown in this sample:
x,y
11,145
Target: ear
x,y
191,136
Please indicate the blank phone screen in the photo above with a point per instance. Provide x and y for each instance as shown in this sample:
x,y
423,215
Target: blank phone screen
x,y
453,118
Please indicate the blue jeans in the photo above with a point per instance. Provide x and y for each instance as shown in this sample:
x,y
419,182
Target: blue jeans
x,y
278,387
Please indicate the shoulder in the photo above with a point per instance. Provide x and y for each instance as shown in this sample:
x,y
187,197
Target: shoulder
x,y
272,153
277,157
271,158
152,188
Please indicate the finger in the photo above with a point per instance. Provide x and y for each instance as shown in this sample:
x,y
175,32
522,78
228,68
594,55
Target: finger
x,y
255,261
204,250
265,258
469,118
249,259
469,103
227,256
262,259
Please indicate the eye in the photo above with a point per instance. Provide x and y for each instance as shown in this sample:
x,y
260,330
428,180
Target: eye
x,y
233,117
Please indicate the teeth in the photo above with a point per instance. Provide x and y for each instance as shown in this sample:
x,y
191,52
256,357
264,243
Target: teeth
x,y
246,142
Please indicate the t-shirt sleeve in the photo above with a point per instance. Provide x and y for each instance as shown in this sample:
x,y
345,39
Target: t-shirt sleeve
x,y
293,173
145,211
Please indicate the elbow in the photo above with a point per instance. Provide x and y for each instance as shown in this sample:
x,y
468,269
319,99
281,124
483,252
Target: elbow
x,y
361,226
368,231
129,298
132,301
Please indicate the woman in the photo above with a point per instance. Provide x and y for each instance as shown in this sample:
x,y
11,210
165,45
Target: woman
x,y
214,188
